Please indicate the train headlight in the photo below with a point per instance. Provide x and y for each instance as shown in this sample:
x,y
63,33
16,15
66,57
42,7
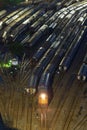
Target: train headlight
x,y
12,35
43,96
65,68
43,99
78,77
60,68
84,77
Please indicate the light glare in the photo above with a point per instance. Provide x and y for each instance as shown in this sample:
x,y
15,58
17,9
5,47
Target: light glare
x,y
43,96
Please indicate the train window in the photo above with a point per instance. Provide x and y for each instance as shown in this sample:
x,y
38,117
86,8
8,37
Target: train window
x,y
26,22
43,27
41,48
69,15
71,8
4,34
79,8
45,15
12,35
51,25
48,38
65,12
72,12
59,12
81,19
61,16
1,23
16,16
63,9
62,37
54,25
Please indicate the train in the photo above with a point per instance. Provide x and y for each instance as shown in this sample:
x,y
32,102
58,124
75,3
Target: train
x,y
5,32
11,17
36,25
46,80
59,44
40,67
25,25
52,23
50,40
2,13
67,60
16,21
82,74
42,49
41,32
34,28
48,23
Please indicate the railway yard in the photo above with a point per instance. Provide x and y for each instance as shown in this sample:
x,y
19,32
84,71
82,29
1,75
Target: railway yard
x,y
54,38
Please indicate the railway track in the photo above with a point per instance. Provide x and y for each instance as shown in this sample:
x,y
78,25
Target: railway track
x,y
62,97
81,123
73,107
71,98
